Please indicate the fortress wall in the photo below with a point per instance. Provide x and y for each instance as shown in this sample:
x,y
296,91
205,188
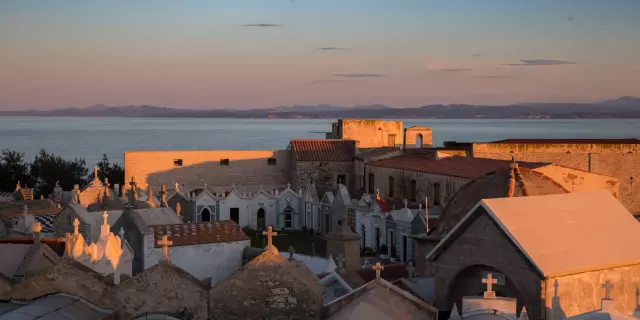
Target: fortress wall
x,y
246,168
366,132
621,161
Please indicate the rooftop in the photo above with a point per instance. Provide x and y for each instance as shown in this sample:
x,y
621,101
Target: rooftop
x,y
58,306
57,244
323,149
455,166
186,234
570,141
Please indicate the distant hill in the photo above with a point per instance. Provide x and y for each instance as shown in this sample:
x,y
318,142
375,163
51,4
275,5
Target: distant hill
x,y
623,107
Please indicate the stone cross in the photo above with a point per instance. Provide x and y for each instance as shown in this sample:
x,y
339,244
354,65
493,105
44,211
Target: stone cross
x,y
76,224
165,243
205,185
95,172
291,252
340,260
288,185
411,270
406,202
269,233
378,268
489,281
608,287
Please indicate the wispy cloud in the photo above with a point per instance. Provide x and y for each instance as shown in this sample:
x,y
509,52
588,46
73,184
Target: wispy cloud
x,y
332,48
475,55
571,18
541,62
455,70
360,75
491,77
262,25
327,81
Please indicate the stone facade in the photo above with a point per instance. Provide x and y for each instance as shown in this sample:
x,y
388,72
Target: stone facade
x,y
368,133
483,246
582,292
324,174
418,137
192,168
621,161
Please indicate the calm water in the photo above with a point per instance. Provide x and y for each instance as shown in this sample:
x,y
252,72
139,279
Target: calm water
x,y
89,138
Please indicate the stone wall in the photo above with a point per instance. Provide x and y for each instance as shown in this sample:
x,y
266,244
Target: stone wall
x,y
424,184
412,137
324,174
484,246
367,135
583,292
246,168
621,161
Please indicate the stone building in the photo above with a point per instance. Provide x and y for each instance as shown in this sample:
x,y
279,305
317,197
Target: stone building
x,y
618,158
586,237
380,133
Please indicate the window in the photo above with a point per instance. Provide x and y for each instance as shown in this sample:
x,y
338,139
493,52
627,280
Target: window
x,y
234,214
342,179
177,163
372,183
392,186
419,141
436,194
224,162
412,191
271,161
288,217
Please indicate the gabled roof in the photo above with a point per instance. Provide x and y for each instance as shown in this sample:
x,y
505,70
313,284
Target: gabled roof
x,y
583,231
186,234
323,149
454,166
328,198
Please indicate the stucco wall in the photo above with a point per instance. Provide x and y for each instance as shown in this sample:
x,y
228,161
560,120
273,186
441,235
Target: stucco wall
x,y
246,167
212,260
367,135
582,292
483,246
621,161
424,184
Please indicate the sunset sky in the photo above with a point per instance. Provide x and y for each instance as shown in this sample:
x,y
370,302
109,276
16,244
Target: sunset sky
x,y
266,53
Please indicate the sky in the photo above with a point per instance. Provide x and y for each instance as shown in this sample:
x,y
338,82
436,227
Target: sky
x,y
266,53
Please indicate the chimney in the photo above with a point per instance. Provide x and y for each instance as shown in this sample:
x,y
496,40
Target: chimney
x,y
36,229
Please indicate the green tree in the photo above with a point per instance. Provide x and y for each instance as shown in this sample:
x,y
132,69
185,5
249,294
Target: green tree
x,y
114,172
47,168
13,168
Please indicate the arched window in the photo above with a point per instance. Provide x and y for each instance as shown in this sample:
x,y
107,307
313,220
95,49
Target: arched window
x,y
205,215
372,183
413,191
436,194
392,186
419,141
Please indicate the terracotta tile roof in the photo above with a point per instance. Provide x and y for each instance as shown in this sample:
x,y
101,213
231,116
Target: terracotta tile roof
x,y
186,234
391,272
323,149
570,141
57,244
455,166
377,152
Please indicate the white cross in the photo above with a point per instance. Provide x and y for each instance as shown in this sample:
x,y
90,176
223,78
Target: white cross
x,y
378,268
288,185
205,185
490,281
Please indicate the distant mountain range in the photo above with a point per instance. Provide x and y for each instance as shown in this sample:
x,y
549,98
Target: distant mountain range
x,y
624,107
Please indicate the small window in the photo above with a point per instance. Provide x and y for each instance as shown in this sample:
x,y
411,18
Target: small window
x,y
271,161
177,163
342,179
224,162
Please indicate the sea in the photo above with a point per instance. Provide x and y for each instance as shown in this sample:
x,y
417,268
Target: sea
x,y
90,138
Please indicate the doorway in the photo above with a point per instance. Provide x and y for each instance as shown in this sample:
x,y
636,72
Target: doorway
x,y
205,215
234,214
261,222
391,140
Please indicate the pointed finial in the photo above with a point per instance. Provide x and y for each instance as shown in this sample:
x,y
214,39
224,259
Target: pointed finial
x,y
178,209
37,227
95,172
18,185
76,224
406,203
378,194
105,216
177,187
149,195
288,185
121,233
163,196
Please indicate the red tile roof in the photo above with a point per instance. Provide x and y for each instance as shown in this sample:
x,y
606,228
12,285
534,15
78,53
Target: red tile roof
x,y
57,244
570,141
455,166
185,234
323,149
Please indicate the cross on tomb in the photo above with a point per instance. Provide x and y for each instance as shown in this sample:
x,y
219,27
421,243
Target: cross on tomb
x,y
406,202
165,243
608,287
490,281
269,233
378,268
76,224
288,185
411,269
205,185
